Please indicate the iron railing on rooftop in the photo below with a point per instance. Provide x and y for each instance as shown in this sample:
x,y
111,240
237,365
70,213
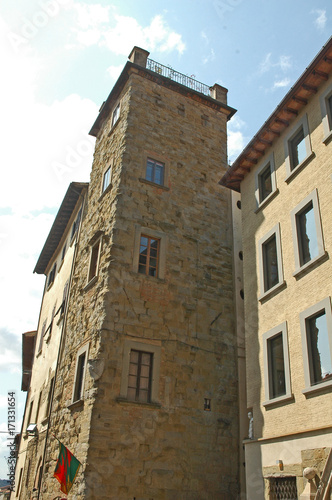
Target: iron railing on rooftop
x,y
186,80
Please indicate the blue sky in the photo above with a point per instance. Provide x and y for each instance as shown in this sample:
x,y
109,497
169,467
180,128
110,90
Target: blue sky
x,y
60,59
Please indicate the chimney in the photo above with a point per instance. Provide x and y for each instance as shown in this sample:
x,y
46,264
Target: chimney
x,y
139,56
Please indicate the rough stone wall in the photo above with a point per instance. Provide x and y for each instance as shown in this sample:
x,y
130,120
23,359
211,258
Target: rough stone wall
x,y
170,448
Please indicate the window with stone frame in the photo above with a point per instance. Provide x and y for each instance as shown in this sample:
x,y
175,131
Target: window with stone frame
x,y
270,263
49,398
81,363
42,333
276,364
51,276
115,114
140,376
94,259
106,179
265,179
307,232
316,331
155,171
297,147
326,109
148,255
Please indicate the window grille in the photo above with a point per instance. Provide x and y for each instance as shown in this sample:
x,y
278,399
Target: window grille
x,y
283,488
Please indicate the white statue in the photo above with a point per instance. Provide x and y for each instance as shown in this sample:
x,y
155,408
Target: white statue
x,y
251,425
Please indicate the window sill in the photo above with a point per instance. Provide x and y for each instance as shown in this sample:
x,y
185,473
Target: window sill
x,y
75,404
61,264
90,284
49,286
327,138
154,184
272,291
138,403
299,167
104,193
309,265
278,401
318,388
267,200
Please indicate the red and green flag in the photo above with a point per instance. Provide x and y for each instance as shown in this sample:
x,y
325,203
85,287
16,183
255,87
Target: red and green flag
x,y
66,469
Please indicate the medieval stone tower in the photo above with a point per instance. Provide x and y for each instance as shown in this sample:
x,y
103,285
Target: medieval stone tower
x,y
146,387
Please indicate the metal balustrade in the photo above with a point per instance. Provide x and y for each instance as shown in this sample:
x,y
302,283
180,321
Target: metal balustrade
x,y
185,80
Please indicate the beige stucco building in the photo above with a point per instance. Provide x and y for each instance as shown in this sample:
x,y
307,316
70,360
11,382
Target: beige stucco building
x,y
146,383
285,179
41,348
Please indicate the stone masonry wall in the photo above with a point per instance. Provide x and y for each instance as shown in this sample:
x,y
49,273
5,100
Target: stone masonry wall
x,y
171,448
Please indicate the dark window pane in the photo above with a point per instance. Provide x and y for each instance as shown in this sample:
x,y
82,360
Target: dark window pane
x,y
270,263
155,172
307,234
265,183
320,363
276,367
297,149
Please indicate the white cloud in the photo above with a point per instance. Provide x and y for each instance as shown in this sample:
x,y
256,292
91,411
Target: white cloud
x,y
321,18
236,140
125,33
283,63
114,71
281,83
210,57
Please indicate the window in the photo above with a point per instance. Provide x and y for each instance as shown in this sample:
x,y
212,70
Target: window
x,y
116,114
271,275
38,407
265,181
283,487
76,225
94,260
316,330
307,232
49,398
19,482
106,179
149,252
51,276
42,333
326,108
30,414
140,374
155,171
276,364
139,378
63,252
297,146
81,361
148,256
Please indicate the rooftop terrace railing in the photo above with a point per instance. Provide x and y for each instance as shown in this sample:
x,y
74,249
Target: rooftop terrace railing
x,y
186,80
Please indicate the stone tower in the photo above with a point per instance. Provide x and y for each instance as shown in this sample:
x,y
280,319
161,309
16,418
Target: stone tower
x,y
146,388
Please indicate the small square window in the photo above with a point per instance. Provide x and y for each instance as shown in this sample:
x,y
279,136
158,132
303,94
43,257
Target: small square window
x,y
148,256
276,363
115,115
155,171
307,232
271,274
81,362
265,181
94,260
106,179
316,330
297,147
139,378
